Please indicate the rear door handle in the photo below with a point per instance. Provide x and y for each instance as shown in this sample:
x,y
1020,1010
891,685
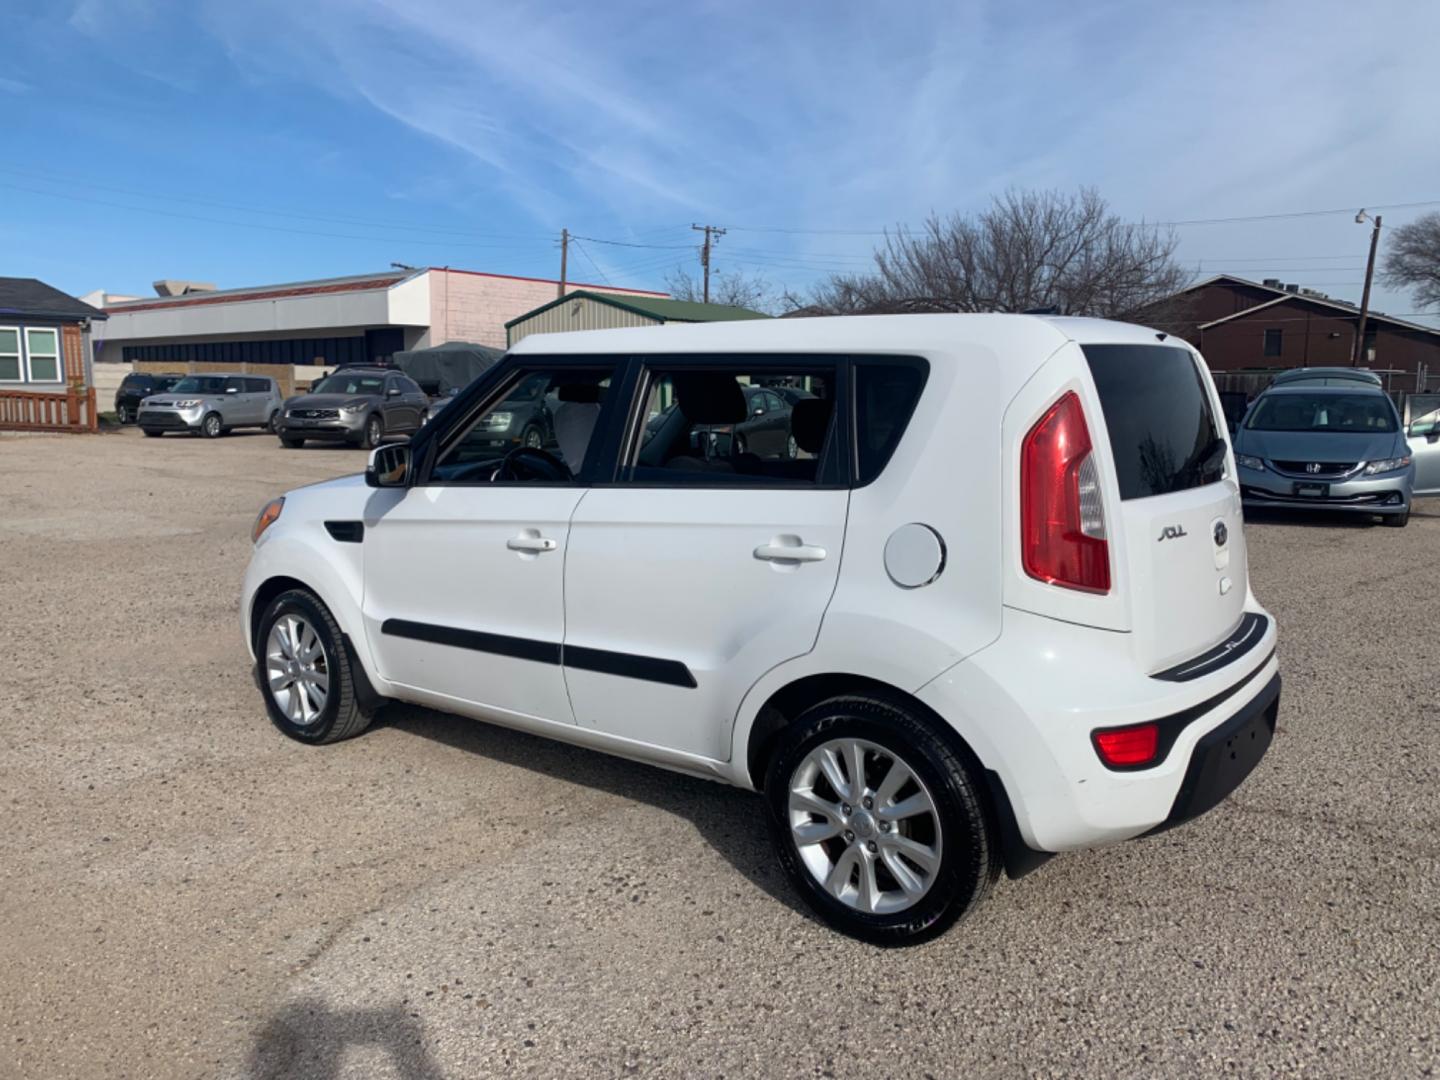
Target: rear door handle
x,y
530,543
789,553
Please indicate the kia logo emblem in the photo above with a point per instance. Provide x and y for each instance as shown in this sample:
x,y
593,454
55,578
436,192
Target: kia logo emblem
x,y
1312,467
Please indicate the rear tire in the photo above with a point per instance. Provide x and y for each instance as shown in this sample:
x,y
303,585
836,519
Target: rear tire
x,y
273,424
293,706
863,866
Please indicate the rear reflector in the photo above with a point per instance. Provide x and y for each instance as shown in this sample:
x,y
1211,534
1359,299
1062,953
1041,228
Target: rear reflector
x,y
1062,518
1127,747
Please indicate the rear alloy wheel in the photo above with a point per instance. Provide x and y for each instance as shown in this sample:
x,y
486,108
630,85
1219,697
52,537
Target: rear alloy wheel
x,y
211,427
274,422
305,673
374,431
878,822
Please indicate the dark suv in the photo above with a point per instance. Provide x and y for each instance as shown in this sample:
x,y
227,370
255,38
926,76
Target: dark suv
x,y
358,405
135,388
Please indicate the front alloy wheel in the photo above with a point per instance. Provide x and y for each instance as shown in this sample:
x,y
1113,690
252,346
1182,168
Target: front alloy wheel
x,y
211,426
305,674
374,430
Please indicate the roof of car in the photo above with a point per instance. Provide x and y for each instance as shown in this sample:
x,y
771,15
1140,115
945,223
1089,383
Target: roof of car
x,y
855,334
1355,388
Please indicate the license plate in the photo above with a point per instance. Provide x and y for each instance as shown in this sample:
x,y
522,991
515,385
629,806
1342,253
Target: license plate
x,y
1312,491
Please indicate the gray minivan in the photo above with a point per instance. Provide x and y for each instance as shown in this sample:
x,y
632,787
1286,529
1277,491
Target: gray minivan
x,y
212,405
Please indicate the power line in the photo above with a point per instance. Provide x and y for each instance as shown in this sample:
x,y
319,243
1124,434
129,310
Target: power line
x,y
586,252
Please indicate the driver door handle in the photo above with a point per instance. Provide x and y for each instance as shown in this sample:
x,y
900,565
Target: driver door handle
x,y
789,553
530,543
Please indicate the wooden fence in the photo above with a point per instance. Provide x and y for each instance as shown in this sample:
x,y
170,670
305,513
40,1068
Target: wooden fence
x,y
27,410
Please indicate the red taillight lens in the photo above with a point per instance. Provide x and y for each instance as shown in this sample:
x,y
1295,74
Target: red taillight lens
x,y
1128,747
1062,520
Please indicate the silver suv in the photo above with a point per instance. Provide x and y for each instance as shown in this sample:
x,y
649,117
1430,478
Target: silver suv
x,y
356,405
212,405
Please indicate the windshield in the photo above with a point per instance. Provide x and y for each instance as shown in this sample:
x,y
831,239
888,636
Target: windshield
x,y
340,383
200,384
1361,414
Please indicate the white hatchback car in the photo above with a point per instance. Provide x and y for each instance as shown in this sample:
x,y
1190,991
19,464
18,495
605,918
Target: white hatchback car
x,y
970,591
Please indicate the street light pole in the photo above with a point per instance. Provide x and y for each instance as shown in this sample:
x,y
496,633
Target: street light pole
x,y
1358,347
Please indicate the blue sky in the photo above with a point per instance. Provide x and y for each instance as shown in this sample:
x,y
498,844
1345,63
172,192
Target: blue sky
x,y
275,140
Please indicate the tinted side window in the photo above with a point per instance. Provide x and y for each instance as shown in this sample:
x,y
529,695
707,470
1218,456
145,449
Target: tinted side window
x,y
258,386
885,398
233,385
407,386
700,429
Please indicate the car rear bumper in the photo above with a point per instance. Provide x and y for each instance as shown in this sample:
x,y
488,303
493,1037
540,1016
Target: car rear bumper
x,y
1386,493
1029,703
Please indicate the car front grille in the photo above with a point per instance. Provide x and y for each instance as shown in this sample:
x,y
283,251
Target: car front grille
x,y
1316,468
154,418
314,414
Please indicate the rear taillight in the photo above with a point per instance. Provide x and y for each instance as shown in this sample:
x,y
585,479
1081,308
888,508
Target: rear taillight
x,y
1062,520
1128,747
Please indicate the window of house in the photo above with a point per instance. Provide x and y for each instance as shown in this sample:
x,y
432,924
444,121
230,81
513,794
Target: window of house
x,y
1272,342
717,426
42,346
10,353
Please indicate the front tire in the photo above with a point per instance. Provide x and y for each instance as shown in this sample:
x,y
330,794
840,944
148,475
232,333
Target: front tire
x,y
878,822
122,414
374,431
304,671
1398,521
291,444
212,427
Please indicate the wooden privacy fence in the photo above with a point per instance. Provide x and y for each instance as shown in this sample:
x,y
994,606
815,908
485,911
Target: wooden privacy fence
x,y
27,410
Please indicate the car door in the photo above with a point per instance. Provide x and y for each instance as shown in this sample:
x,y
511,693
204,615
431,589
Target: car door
x,y
410,404
687,580
1423,436
464,574
236,407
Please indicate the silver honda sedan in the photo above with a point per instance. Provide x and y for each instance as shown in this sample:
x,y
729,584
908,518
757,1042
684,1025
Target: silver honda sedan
x,y
1326,448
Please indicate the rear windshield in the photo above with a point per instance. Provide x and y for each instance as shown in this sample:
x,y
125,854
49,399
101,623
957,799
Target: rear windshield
x,y
1163,434
1361,414
136,380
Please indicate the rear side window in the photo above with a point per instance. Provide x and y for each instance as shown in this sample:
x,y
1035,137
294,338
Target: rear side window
x,y
885,397
135,382
258,386
1163,434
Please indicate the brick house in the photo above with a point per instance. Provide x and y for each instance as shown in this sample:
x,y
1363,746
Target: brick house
x,y
1239,324
44,337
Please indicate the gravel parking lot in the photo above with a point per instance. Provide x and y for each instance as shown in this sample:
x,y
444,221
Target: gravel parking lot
x,y
184,892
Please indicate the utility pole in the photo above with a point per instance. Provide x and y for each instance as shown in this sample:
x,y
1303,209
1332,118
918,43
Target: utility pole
x,y
564,255
712,237
1359,346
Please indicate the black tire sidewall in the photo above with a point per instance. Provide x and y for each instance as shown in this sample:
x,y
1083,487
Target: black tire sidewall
x,y
307,607
374,430
965,873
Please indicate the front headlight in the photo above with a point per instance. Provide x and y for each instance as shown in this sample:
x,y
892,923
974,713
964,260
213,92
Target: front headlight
x,y
188,403
268,516
354,406
1388,465
499,421
1250,461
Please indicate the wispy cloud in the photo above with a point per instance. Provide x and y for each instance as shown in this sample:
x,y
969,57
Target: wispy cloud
x,y
14,86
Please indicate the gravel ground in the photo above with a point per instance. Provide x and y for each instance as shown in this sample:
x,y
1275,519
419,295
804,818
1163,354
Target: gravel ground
x,y
184,892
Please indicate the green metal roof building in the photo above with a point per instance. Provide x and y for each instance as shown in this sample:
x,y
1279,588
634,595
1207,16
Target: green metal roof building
x,y
583,310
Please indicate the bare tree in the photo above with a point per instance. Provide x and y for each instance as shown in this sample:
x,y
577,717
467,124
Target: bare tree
x,y
734,289
1412,260
1026,251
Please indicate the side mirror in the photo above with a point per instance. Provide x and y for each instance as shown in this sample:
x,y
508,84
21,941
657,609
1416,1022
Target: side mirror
x,y
394,391
759,411
390,466
232,389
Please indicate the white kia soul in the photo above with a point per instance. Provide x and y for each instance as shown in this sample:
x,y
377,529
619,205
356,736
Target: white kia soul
x,y
955,592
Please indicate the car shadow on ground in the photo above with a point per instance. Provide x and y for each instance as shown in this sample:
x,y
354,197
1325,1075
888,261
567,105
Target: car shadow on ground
x,y
1312,519
310,1039
730,820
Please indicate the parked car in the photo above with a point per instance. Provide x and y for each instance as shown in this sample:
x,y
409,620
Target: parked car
x,y
764,431
1423,439
212,405
1326,447
1040,638
525,418
358,405
135,388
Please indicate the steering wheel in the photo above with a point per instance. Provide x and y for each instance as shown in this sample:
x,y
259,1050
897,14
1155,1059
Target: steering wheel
x,y
532,463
